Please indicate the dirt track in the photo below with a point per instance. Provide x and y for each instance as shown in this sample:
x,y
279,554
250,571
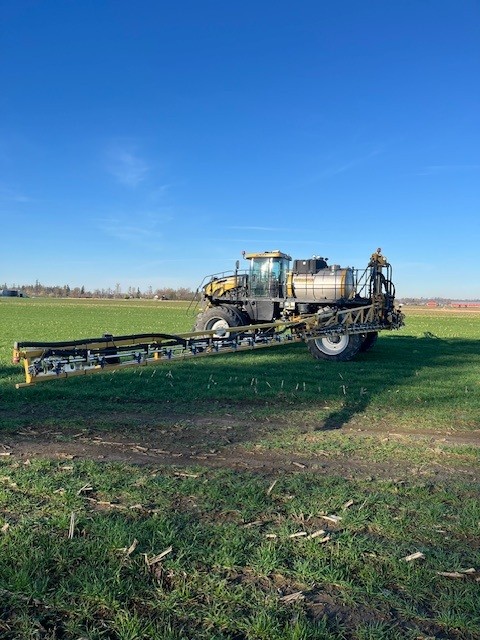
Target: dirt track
x,y
214,443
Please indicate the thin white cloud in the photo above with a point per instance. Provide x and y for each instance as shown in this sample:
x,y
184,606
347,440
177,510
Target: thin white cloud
x,y
158,193
10,195
146,231
341,167
159,263
130,233
125,165
285,242
269,229
414,265
351,164
441,169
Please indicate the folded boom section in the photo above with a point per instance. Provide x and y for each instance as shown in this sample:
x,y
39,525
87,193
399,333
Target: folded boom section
x,y
44,361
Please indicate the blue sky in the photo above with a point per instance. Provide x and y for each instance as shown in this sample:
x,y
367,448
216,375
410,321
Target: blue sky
x,y
149,143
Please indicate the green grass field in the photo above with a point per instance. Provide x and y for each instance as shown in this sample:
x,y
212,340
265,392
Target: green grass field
x,y
425,376
381,454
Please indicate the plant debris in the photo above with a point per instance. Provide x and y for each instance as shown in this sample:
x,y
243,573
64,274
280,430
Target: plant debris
x,y
158,558
418,555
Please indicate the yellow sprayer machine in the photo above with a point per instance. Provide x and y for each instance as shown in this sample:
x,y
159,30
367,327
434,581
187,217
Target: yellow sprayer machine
x,y
337,311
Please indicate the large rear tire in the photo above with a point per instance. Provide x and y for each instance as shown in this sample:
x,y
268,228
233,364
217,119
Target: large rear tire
x,y
335,348
220,319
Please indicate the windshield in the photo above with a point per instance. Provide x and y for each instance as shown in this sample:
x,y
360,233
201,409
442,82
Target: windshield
x,y
267,277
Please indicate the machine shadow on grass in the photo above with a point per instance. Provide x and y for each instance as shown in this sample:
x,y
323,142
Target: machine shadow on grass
x,y
8,370
255,393
395,364
392,366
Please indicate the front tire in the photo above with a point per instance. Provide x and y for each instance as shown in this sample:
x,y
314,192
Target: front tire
x,y
220,319
335,348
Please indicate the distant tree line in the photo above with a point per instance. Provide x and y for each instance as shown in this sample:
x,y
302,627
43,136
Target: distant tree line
x,y
420,302
161,293
66,291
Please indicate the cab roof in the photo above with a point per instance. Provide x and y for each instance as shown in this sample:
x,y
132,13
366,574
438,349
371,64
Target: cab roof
x,y
268,254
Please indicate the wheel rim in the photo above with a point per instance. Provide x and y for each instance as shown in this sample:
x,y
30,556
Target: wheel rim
x,y
219,325
332,345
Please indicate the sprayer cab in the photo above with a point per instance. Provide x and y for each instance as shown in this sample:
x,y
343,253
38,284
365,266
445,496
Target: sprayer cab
x,y
267,275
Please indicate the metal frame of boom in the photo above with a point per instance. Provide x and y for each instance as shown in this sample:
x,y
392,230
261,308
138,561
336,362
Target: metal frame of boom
x,y
45,361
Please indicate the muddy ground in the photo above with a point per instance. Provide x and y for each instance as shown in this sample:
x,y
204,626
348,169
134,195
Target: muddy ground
x,y
228,442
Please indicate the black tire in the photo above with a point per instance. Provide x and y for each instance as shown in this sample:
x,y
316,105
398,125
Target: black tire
x,y
335,348
221,318
368,341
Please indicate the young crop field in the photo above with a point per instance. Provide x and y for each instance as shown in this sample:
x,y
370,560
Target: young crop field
x,y
261,495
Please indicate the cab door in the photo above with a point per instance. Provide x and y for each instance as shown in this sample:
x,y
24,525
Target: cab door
x,y
267,277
